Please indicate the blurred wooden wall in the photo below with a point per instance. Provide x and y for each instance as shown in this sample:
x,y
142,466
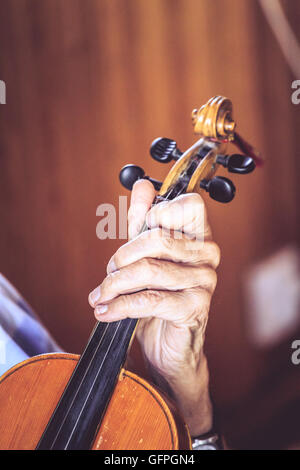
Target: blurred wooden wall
x,y
90,83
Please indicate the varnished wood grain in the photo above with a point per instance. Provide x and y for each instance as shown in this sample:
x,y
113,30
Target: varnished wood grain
x,y
136,418
90,83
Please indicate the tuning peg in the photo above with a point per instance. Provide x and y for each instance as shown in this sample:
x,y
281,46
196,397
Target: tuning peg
x,y
164,150
237,163
131,173
219,188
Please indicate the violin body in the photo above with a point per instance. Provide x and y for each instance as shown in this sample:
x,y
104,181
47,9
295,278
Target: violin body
x,y
137,417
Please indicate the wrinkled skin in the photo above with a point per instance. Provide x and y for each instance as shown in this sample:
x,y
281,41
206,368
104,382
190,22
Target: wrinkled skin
x,y
166,277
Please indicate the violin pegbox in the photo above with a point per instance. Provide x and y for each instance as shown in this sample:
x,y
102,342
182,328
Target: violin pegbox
x,y
194,170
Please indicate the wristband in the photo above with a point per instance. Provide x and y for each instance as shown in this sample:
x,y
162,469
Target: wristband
x,y
208,441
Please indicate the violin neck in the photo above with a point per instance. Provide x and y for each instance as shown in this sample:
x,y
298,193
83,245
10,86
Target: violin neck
x,y
82,406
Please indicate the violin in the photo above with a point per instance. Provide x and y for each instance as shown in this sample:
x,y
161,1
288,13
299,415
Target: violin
x,y
62,401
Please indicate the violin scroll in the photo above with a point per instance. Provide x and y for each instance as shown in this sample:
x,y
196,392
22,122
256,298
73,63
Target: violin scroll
x,y
214,119
194,169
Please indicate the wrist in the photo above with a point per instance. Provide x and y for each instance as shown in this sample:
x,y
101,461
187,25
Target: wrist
x,y
193,399
189,389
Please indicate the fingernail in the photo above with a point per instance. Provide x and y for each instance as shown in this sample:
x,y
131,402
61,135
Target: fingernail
x,y
95,295
111,267
101,309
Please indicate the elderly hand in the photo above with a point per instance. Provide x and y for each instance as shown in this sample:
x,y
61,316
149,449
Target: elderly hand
x,y
166,277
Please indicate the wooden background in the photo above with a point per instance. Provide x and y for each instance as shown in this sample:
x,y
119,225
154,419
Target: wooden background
x,y
90,83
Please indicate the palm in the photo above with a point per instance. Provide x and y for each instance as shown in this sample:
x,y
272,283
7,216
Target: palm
x,y
167,345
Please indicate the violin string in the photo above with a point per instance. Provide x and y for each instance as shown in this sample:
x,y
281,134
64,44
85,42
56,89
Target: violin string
x,y
181,191
81,382
84,376
91,388
166,197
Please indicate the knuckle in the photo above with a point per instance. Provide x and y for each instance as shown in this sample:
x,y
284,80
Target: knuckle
x,y
188,198
211,280
200,300
149,236
197,303
193,215
150,266
118,257
152,297
215,253
196,199
167,243
107,283
207,280
153,217
124,303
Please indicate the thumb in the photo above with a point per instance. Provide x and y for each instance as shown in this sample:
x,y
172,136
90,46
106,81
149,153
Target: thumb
x,y
142,197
